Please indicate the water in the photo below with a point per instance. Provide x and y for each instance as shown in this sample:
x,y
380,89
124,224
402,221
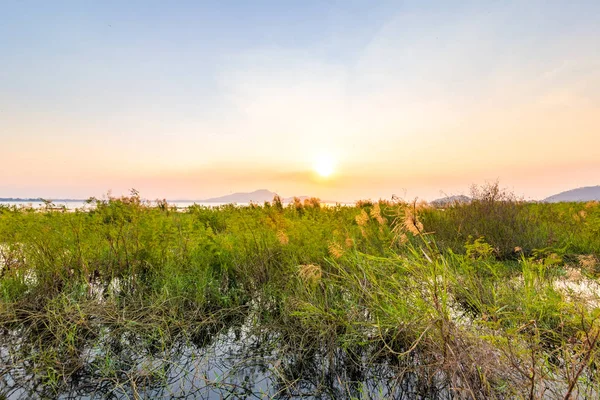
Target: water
x,y
82,205
236,362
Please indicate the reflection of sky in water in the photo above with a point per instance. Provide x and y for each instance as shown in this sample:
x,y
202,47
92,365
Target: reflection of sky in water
x,y
236,364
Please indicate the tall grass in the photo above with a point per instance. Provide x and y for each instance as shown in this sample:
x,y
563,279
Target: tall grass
x,y
479,298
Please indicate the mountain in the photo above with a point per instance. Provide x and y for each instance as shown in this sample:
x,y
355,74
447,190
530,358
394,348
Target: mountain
x,y
450,200
587,193
258,196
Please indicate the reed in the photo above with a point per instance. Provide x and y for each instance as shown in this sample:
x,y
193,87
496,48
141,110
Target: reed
x,y
494,298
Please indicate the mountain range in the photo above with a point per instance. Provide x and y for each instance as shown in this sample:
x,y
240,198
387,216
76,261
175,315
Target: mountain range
x,y
587,193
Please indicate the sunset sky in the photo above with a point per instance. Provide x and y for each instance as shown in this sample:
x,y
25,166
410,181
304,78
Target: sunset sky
x,y
189,100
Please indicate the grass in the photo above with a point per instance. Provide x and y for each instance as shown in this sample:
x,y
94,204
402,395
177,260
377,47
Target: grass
x,y
491,299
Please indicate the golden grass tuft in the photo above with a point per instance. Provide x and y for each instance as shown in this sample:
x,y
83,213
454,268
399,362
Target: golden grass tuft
x,y
298,204
588,262
282,237
573,274
403,238
376,214
310,273
362,219
313,202
335,250
349,242
411,222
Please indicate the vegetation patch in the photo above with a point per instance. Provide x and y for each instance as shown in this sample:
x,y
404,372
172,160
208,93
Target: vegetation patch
x,y
492,298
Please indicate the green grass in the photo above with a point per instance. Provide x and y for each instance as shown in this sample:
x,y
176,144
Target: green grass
x,y
467,293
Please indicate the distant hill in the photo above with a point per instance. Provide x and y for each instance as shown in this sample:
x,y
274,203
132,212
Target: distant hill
x,y
449,200
258,196
587,193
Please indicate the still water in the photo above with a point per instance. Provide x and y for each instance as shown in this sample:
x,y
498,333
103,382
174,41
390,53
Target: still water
x,y
234,362
82,205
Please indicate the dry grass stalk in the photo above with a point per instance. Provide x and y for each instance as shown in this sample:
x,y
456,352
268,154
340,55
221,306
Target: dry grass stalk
x,y
411,222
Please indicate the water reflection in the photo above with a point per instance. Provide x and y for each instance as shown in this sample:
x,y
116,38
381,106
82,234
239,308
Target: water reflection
x,y
215,363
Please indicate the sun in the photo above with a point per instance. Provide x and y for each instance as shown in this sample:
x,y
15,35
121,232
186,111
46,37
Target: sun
x,y
324,165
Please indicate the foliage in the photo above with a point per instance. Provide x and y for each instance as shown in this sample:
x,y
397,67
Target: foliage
x,y
472,291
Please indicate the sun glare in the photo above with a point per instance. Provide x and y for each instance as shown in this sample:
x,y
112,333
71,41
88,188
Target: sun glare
x,y
324,165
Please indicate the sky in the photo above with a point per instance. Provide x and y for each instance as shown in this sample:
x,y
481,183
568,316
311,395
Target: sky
x,y
197,99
